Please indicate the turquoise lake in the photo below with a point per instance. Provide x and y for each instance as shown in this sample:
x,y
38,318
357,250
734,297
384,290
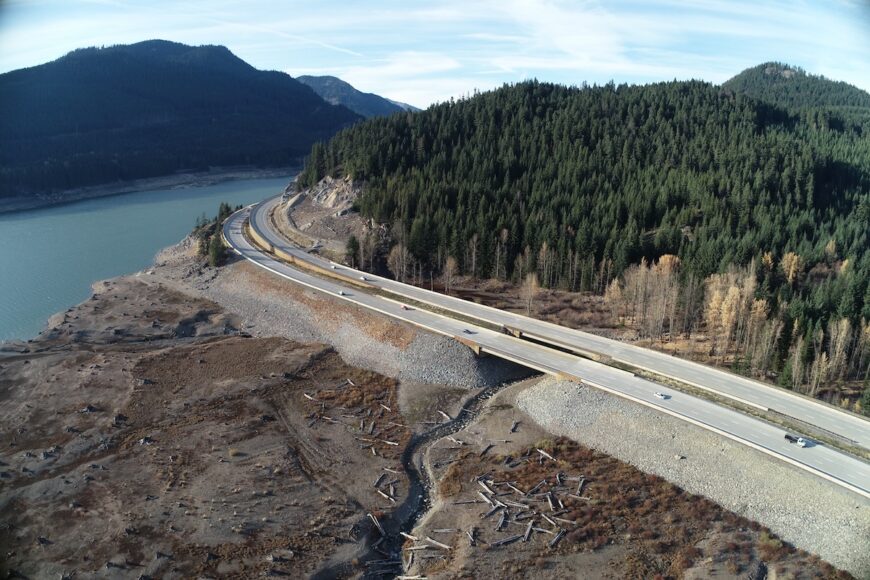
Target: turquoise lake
x,y
49,257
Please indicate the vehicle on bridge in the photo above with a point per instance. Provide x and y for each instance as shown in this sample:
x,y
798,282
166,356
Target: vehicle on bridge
x,y
799,441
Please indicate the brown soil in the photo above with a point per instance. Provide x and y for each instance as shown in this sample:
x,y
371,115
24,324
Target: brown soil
x,y
197,453
629,524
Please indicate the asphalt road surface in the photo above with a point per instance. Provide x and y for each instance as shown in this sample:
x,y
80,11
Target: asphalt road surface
x,y
826,462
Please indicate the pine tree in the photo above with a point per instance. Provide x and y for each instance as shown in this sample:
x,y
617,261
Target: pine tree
x,y
352,251
217,252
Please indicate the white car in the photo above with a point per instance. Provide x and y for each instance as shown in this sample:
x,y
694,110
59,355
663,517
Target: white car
x,y
363,278
341,293
662,395
801,442
332,266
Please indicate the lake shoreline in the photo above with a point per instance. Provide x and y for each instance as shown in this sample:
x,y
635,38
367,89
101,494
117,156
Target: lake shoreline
x,y
174,181
119,232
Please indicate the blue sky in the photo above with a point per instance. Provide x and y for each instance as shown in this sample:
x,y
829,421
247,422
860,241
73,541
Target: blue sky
x,y
423,52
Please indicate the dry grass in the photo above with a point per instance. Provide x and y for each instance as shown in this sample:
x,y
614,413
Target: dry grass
x,y
368,398
663,526
450,483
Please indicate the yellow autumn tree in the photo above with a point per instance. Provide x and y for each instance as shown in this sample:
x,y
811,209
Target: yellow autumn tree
x,y
792,267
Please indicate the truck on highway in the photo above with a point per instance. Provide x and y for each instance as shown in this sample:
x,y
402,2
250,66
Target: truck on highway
x,y
800,441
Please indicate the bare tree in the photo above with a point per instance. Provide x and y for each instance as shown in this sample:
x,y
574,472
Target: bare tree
x,y
797,365
530,290
602,279
367,249
573,269
730,310
692,298
397,262
754,327
663,288
636,293
713,311
523,264
762,354
818,373
472,250
450,269
840,334
730,298
545,264
613,297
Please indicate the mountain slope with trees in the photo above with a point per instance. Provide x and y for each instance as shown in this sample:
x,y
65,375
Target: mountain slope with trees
x,y
339,92
792,87
100,115
751,218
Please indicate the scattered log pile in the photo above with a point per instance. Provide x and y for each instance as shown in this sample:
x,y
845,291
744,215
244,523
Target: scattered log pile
x,y
368,409
516,515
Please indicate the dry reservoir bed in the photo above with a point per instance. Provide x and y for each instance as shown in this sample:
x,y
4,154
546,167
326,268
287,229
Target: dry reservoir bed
x,y
145,433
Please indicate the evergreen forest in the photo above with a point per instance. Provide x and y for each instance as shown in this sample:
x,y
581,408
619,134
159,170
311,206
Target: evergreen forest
x,y
740,210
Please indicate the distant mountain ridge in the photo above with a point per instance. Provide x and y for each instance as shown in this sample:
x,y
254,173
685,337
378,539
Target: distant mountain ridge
x,y
406,106
794,88
101,115
339,92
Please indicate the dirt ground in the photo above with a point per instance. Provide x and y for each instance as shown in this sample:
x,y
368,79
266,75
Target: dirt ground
x,y
623,523
144,435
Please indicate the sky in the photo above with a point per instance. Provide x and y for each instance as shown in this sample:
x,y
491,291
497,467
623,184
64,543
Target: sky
x,y
425,52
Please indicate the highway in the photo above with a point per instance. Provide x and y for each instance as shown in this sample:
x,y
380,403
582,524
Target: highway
x,y
826,417
823,461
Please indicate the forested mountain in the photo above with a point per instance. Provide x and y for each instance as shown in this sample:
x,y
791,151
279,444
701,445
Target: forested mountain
x,y
100,115
758,208
405,106
792,87
338,92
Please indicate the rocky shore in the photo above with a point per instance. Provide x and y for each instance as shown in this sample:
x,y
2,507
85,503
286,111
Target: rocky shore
x,y
175,181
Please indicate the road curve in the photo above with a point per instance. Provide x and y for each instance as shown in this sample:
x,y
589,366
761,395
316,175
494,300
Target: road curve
x,y
823,461
827,417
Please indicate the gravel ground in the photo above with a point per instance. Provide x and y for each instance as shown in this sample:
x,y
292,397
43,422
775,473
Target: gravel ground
x,y
804,510
271,306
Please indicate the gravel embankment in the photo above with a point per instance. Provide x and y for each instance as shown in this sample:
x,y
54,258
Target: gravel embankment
x,y
270,306
802,509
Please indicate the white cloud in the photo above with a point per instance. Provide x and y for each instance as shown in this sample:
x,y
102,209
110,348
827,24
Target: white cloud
x,y
490,37
422,52
410,76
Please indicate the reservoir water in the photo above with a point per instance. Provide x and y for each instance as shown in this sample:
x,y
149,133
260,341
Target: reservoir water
x,y
49,257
